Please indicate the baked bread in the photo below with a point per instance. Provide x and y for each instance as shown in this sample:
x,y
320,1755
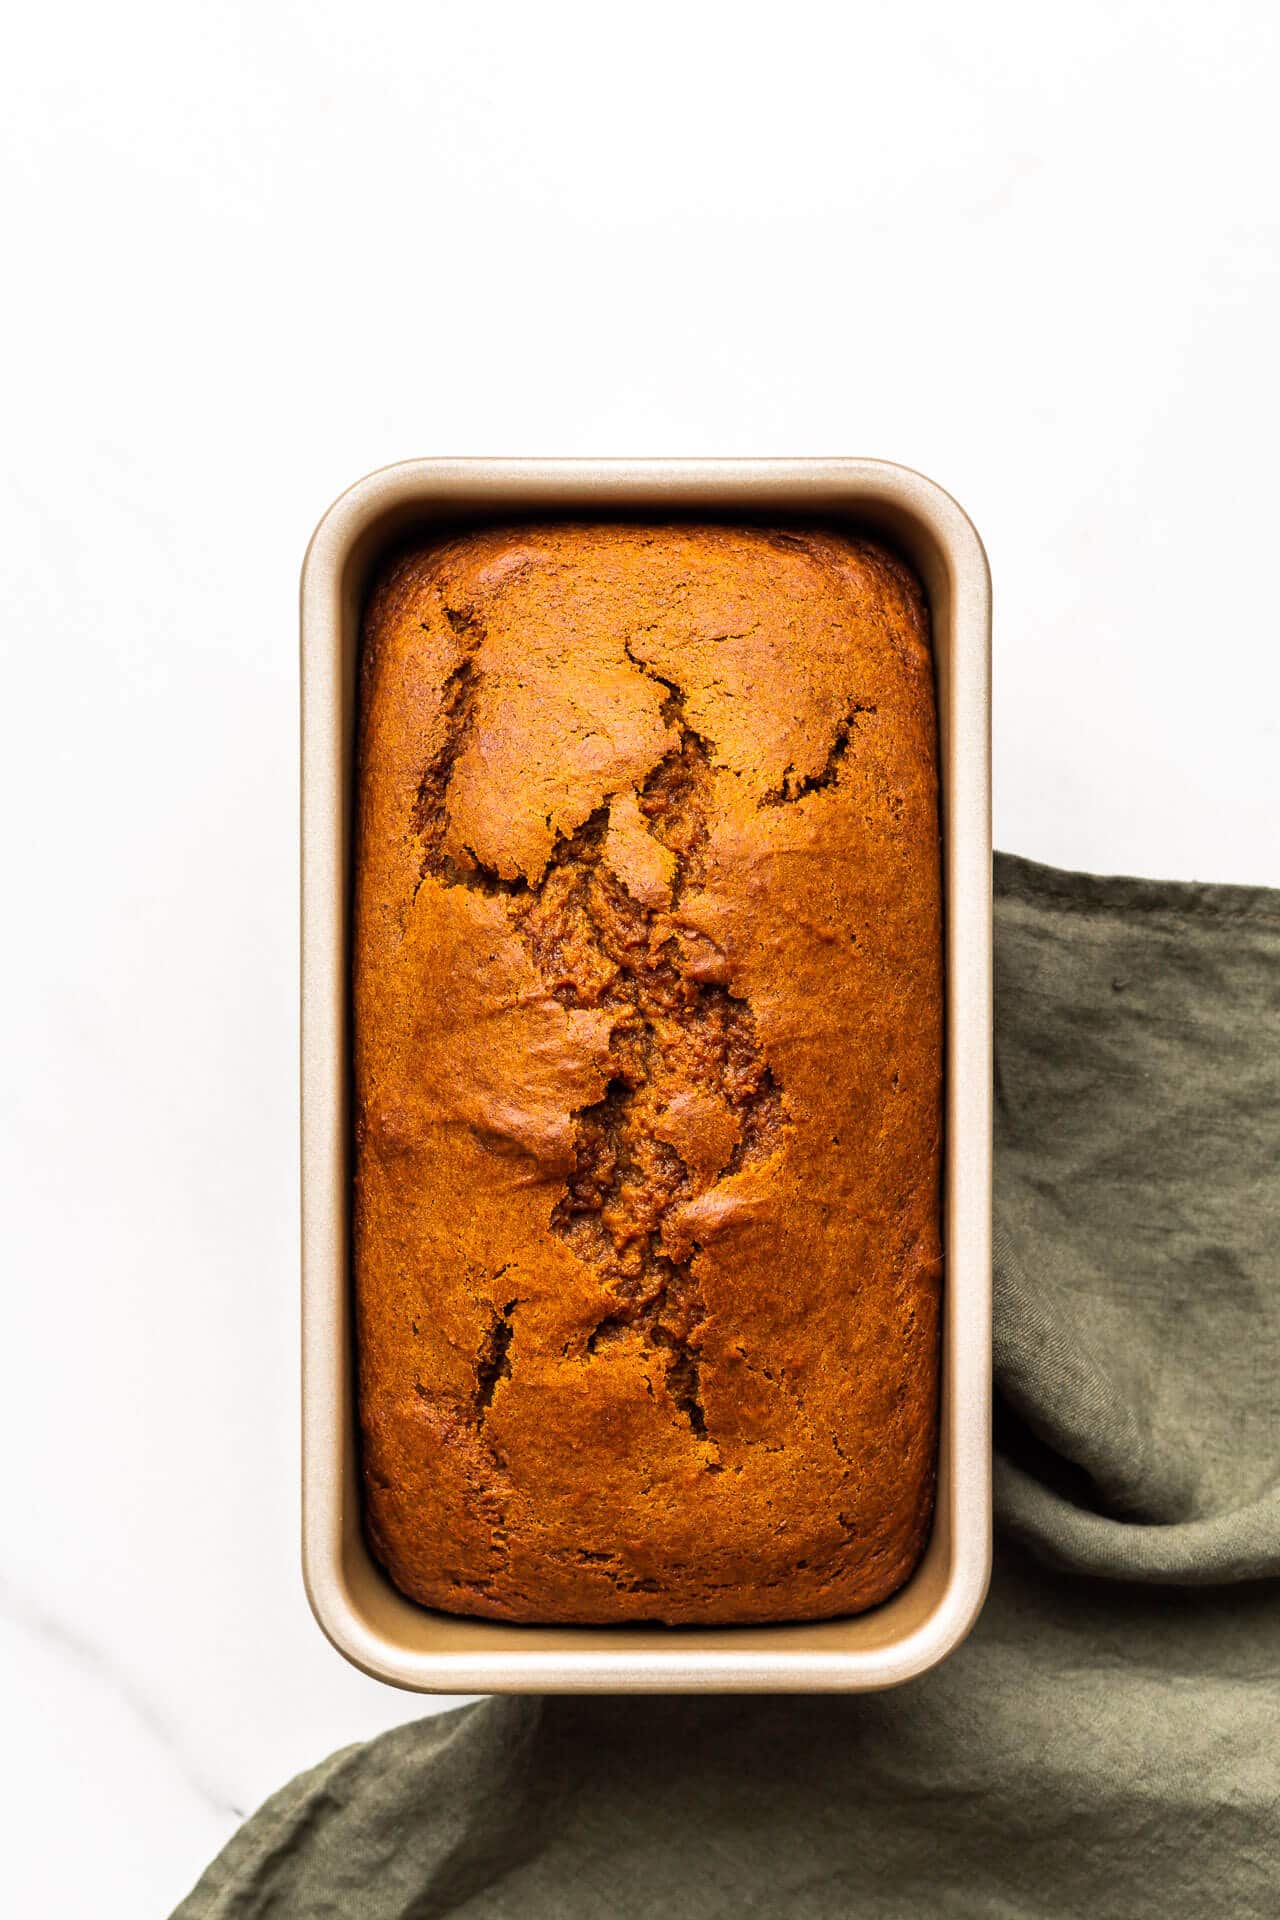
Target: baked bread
x,y
648,1018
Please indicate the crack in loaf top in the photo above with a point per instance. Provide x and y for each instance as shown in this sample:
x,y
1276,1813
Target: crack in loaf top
x,y
647,1054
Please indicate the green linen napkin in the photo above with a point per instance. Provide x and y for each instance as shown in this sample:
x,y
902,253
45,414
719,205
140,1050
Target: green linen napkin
x,y
1107,1742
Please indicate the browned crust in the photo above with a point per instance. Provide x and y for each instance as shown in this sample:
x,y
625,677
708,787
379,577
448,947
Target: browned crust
x,y
648,1008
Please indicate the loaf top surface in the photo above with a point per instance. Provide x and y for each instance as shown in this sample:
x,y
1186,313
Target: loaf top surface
x,y
648,1008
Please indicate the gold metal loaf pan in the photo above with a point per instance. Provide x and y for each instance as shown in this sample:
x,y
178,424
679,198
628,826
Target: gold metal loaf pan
x,y
355,1604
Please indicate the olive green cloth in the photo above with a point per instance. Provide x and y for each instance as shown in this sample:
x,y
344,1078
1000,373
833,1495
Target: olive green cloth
x,y
1107,1742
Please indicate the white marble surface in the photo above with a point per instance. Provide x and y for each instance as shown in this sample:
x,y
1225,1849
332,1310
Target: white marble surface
x,y
256,250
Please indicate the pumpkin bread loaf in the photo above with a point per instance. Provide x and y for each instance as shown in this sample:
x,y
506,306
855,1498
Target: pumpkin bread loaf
x,y
648,1073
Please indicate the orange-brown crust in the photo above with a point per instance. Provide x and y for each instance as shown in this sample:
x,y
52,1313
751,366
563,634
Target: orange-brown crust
x,y
648,1009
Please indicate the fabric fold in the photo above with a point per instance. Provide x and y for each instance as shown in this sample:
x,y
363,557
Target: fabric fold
x,y
1137,1314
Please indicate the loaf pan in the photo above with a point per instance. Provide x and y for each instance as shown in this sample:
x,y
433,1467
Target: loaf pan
x,y
356,1605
